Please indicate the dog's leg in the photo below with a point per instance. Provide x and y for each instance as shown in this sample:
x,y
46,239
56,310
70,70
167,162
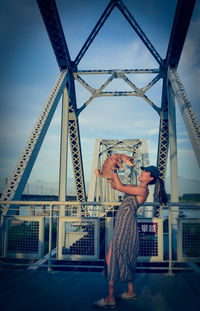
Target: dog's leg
x,y
128,160
97,173
121,165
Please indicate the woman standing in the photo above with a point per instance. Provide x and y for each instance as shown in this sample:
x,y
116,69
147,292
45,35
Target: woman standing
x,y
124,247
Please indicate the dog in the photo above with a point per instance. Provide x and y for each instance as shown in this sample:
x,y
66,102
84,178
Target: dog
x,y
106,171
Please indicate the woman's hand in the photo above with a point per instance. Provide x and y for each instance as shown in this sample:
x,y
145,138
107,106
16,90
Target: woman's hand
x,y
113,185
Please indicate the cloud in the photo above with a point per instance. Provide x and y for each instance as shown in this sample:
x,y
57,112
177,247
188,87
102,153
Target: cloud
x,y
133,55
185,152
182,140
190,53
118,119
153,131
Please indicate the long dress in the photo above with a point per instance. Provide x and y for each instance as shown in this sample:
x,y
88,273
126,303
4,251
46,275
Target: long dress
x,y
125,242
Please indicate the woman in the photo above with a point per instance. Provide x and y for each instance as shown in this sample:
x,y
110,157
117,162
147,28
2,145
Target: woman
x,y
123,249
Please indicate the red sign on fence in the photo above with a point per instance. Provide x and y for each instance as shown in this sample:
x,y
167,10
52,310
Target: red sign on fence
x,y
145,227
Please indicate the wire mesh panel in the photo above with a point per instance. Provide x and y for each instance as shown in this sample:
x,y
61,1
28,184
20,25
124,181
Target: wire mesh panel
x,y
150,239
189,239
24,237
78,238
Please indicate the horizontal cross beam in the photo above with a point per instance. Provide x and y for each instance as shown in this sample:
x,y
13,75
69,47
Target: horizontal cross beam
x,y
116,71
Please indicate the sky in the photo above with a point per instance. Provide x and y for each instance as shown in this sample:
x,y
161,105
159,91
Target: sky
x,y
29,70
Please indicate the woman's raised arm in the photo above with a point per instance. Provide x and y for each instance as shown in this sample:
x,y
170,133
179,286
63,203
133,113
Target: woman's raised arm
x,y
129,189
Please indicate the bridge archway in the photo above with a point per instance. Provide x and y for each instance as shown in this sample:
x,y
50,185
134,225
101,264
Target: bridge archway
x,y
166,71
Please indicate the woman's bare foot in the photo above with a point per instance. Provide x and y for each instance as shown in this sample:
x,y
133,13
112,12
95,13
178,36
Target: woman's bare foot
x,y
127,295
107,299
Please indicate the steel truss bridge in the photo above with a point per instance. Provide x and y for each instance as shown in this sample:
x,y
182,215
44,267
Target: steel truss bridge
x,y
172,88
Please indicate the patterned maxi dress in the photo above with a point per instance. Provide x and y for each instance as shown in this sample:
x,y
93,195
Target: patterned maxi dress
x,y
125,242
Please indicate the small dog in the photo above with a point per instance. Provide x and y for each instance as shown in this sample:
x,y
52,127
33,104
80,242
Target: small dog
x,y
106,171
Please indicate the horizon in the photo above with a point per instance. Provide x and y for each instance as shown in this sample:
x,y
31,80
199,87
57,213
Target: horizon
x,y
41,187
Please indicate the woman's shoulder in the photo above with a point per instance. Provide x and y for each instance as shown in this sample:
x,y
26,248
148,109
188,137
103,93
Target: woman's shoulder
x,y
130,196
142,199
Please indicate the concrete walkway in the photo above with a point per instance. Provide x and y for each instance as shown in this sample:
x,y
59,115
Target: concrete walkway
x,y
22,290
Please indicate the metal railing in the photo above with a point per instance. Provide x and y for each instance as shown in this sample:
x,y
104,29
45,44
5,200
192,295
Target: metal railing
x,y
36,230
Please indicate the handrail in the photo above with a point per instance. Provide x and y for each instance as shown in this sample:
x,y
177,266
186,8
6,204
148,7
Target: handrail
x,y
189,206
195,204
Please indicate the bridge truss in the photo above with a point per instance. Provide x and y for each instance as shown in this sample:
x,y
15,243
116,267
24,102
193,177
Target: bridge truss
x,y
171,88
99,189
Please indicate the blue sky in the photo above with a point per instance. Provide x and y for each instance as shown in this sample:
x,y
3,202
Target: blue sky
x,y
29,70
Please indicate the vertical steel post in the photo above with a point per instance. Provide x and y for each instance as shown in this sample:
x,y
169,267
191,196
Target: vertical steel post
x,y
170,273
5,235
64,150
163,141
173,145
50,237
173,164
93,177
94,180
145,159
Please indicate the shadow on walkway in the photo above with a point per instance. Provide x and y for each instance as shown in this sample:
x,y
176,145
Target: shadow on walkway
x,y
22,290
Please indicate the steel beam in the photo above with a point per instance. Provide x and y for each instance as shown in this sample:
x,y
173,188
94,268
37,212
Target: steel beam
x,y
180,27
94,32
55,32
173,165
163,141
64,150
75,144
139,31
120,5
17,182
188,114
115,71
95,165
173,146
53,25
140,92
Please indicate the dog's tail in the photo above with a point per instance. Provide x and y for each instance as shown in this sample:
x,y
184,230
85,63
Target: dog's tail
x,y
97,173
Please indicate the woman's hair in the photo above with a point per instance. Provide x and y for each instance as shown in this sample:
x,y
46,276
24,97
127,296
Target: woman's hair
x,y
161,194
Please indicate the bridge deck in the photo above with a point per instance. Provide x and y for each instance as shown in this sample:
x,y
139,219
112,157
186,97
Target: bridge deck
x,y
65,290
